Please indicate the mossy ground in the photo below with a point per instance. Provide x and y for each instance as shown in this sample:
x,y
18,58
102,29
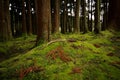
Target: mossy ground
x,y
80,57
16,46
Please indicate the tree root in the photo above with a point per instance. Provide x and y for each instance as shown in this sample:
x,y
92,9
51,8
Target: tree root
x,y
53,41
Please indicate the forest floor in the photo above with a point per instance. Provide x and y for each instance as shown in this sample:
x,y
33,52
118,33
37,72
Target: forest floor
x,y
66,57
16,47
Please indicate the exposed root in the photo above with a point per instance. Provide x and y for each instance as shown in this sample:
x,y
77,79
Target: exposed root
x,y
57,40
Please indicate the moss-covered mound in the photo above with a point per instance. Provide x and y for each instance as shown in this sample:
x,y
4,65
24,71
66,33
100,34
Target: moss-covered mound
x,y
68,57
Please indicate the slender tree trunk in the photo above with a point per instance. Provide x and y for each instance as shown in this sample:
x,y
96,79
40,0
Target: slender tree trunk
x,y
7,16
77,17
24,29
56,24
50,22
1,20
91,23
84,17
114,15
29,18
5,30
61,23
43,19
12,21
89,15
97,17
88,2
35,22
62,20
104,26
65,17
70,19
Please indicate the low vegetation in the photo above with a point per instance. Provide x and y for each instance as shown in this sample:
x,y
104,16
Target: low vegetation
x,y
16,46
77,57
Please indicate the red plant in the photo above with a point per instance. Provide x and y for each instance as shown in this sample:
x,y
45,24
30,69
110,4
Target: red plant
x,y
23,72
75,70
58,53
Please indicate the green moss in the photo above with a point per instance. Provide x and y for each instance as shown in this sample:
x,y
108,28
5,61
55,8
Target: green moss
x,y
93,61
3,51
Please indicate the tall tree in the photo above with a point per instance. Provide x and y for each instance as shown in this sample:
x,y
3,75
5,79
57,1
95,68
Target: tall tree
x,y
56,24
77,17
105,16
114,12
88,2
1,20
24,29
7,18
70,20
49,21
97,16
29,17
91,22
84,17
65,17
43,19
5,28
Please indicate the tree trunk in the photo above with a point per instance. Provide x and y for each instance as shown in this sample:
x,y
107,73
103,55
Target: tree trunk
x,y
114,12
97,17
84,17
104,26
24,29
88,21
70,18
1,20
5,28
7,16
43,19
29,18
77,17
56,24
65,17
49,22
91,22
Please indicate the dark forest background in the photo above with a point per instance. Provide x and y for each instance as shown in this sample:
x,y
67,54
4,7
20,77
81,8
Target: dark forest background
x,y
45,17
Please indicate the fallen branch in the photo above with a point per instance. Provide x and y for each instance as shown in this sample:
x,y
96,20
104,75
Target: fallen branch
x,y
57,40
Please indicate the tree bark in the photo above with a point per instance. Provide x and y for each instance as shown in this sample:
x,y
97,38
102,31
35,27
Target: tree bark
x,y
97,17
113,15
5,28
1,20
56,24
29,18
65,17
84,17
105,16
43,19
91,23
77,17
24,28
